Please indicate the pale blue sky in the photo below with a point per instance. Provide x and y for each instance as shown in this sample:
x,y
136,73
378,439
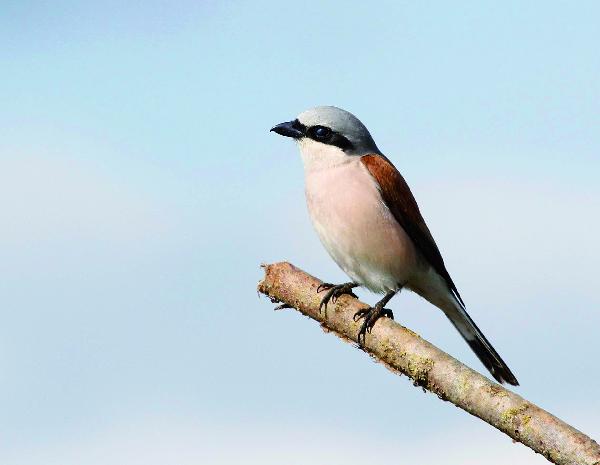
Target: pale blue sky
x,y
140,190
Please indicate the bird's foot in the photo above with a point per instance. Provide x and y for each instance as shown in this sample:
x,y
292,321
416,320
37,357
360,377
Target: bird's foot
x,y
371,315
333,292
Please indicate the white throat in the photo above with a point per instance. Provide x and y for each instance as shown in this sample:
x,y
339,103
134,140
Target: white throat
x,y
317,156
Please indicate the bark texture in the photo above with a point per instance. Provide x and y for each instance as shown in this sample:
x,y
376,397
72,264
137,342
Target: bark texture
x,y
403,351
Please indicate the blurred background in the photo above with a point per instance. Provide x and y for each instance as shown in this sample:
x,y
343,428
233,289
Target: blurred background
x,y
140,190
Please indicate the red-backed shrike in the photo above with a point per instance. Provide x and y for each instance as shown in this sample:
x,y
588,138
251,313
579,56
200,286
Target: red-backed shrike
x,y
370,223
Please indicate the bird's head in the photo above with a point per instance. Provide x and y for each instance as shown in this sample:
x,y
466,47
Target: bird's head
x,y
329,126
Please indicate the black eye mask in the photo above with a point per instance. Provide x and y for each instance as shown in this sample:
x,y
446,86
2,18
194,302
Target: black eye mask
x,y
327,136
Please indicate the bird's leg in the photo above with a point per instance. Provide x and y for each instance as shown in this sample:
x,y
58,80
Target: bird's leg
x,y
372,314
334,291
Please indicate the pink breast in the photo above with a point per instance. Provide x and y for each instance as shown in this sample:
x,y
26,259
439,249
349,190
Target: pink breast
x,y
356,227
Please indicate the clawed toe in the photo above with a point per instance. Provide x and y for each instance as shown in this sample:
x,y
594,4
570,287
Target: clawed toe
x,y
361,313
370,315
324,287
333,292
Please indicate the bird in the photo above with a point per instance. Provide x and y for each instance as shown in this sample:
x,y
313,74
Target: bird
x,y
369,222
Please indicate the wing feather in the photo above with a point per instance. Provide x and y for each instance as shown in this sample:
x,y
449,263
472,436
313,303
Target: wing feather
x,y
401,202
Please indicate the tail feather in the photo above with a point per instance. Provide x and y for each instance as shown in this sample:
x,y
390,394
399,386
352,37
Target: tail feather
x,y
480,345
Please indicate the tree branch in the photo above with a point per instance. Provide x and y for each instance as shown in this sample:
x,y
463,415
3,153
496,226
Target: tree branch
x,y
403,351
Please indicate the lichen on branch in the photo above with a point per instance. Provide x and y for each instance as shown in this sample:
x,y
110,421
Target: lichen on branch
x,y
403,351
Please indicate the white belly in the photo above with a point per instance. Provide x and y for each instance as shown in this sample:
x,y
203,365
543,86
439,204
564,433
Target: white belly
x,y
357,229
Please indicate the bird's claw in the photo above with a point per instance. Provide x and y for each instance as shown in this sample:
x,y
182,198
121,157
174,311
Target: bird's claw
x,y
370,315
334,291
324,286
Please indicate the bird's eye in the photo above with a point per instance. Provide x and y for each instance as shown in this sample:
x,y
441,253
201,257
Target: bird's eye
x,y
321,132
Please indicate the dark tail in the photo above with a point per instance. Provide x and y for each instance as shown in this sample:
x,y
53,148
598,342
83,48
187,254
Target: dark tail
x,y
480,345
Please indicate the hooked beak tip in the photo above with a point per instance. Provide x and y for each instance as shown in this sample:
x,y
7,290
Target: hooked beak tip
x,y
288,129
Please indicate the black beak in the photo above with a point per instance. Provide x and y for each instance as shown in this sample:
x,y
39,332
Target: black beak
x,y
291,129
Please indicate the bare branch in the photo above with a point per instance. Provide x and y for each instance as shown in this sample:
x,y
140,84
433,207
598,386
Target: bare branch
x,y
405,352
